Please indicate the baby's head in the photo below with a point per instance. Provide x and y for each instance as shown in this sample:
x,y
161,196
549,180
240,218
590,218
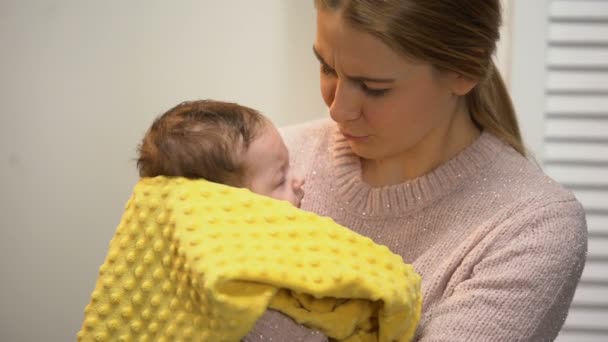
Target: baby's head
x,y
221,142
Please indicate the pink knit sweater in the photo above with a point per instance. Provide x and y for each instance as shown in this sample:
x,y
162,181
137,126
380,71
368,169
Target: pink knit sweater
x,y
499,245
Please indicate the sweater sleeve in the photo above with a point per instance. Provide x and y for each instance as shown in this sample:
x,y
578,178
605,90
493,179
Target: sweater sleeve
x,y
275,326
521,288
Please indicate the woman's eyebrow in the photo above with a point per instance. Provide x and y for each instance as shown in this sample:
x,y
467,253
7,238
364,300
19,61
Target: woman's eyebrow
x,y
353,78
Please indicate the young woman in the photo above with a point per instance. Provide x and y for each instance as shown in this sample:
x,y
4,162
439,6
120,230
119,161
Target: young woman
x,y
423,154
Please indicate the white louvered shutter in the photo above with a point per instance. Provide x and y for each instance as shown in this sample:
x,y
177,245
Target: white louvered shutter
x,y
576,145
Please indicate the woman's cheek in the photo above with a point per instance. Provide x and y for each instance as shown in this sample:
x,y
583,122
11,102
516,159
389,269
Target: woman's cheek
x,y
328,89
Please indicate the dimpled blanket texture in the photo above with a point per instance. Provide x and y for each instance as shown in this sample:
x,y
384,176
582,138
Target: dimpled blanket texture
x,y
193,260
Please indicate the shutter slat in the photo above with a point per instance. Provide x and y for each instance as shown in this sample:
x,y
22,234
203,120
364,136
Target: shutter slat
x,y
576,152
568,335
577,57
595,272
594,104
578,34
587,318
590,295
592,199
598,250
556,127
576,174
578,81
597,225
579,9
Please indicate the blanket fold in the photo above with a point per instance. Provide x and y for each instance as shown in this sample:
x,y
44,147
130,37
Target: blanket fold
x,y
194,260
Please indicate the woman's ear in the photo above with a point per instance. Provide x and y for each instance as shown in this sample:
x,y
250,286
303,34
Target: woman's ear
x,y
461,85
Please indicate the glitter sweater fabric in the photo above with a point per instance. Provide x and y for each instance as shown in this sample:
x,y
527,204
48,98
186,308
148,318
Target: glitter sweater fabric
x,y
198,261
500,246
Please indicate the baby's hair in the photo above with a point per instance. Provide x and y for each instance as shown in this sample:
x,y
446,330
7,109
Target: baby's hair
x,y
200,139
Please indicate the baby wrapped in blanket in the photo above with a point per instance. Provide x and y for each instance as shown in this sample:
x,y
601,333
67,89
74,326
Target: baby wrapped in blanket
x,y
196,260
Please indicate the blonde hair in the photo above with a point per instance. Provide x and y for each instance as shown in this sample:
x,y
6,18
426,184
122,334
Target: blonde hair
x,y
458,36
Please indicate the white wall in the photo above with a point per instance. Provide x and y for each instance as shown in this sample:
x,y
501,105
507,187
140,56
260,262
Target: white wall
x,y
80,82
527,69
503,47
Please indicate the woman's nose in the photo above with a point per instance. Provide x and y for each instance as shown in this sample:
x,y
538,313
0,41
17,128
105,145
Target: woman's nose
x,y
344,106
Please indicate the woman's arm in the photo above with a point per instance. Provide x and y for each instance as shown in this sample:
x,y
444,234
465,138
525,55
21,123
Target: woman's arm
x,y
274,326
521,290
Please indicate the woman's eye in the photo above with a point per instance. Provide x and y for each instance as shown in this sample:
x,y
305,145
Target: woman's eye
x,y
373,91
326,70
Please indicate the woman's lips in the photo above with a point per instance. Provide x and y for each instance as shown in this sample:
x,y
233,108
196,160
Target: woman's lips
x,y
354,137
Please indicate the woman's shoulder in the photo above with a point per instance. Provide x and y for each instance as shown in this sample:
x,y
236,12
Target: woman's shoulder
x,y
306,140
525,178
513,192
310,130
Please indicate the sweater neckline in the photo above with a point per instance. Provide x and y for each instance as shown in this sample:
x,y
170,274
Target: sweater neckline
x,y
360,198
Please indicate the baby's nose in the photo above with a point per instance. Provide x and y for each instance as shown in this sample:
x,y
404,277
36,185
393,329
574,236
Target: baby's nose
x,y
298,182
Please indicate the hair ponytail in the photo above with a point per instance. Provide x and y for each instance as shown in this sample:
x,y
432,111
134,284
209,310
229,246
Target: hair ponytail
x,y
492,110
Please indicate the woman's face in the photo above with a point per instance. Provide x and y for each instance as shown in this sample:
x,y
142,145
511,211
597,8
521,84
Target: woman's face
x,y
384,103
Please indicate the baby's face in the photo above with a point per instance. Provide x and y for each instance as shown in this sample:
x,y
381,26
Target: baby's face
x,y
267,169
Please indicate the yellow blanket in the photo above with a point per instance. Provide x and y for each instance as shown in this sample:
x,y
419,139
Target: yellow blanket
x,y
193,260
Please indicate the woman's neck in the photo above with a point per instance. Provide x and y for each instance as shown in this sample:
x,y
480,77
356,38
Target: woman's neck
x,y
437,147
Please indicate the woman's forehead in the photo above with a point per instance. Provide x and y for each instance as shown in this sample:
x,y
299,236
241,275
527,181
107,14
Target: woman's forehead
x,y
353,51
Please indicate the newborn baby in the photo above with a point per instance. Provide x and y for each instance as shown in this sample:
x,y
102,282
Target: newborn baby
x,y
223,143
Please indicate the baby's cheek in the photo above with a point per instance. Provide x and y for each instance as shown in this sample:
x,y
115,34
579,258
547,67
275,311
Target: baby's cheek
x,y
279,194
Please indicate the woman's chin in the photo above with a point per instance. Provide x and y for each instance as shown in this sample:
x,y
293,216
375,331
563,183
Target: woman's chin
x,y
363,150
